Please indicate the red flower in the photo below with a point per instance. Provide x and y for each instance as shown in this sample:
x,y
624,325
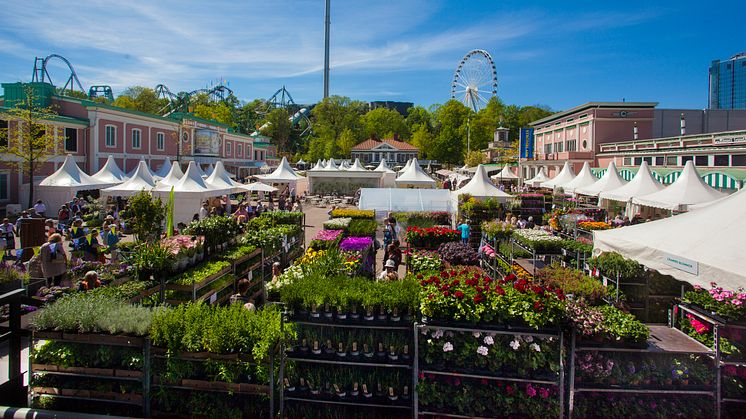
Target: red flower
x,y
459,294
487,280
484,381
538,306
510,390
419,276
446,293
430,296
455,282
444,275
423,283
510,277
453,272
479,298
422,375
537,289
499,290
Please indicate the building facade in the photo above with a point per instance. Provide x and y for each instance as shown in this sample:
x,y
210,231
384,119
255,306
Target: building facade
x,y
500,147
395,152
728,83
92,131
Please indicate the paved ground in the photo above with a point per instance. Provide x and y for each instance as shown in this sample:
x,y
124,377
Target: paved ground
x,y
315,217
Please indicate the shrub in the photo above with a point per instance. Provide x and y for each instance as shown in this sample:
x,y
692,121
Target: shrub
x,y
497,229
573,282
361,227
145,215
612,264
422,219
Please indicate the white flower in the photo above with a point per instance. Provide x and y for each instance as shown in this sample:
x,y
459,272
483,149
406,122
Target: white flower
x,y
437,334
528,339
536,347
429,341
488,340
515,345
476,334
482,350
447,347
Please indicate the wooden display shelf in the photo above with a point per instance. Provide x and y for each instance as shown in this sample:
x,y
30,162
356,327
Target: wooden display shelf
x,y
219,386
88,372
98,339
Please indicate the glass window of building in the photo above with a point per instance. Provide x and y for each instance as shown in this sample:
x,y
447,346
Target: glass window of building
x,y
627,161
559,147
738,160
4,130
548,148
701,161
228,148
721,160
638,161
111,136
672,160
4,187
71,139
572,145
659,161
648,160
685,159
160,141
136,138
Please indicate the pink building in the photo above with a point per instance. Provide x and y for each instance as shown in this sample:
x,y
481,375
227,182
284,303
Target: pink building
x,y
92,131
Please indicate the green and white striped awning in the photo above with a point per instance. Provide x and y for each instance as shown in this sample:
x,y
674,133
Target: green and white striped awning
x,y
598,172
721,180
627,174
670,178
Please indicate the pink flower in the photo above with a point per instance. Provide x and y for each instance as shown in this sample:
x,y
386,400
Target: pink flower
x,y
697,287
482,350
730,370
544,393
530,390
727,294
741,296
447,347
736,302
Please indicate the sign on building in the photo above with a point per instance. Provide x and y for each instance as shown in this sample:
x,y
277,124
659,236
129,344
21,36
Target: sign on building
x,y
527,143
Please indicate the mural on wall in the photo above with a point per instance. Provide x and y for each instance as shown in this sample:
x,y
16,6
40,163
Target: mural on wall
x,y
206,142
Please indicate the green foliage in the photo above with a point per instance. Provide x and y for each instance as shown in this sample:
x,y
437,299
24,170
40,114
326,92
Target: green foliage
x,y
124,291
68,354
139,98
145,215
216,230
200,272
93,313
151,258
612,264
362,228
384,123
237,252
279,128
474,158
573,282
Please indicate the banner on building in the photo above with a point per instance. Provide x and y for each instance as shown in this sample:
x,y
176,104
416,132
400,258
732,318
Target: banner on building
x,y
206,142
527,143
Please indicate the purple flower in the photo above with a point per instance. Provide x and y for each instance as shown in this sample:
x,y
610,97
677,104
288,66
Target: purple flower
x,y
356,243
327,235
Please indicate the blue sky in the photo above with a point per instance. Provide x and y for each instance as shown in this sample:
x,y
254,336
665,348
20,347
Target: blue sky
x,y
555,53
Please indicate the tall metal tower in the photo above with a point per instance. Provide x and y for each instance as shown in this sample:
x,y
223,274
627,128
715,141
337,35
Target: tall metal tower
x,y
327,24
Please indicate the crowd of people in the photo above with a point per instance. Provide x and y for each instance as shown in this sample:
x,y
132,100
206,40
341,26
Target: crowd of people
x,y
247,209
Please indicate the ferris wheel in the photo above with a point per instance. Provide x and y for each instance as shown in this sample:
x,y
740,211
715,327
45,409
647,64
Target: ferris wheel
x,y
475,79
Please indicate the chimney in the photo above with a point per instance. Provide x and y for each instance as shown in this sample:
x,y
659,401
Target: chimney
x,y
396,137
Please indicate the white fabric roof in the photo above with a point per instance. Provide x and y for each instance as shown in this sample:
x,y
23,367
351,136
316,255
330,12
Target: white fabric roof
x,y
357,167
480,187
609,181
199,170
564,176
209,170
258,187
505,173
397,199
414,175
319,165
220,179
697,247
110,173
164,169
688,189
383,167
132,172
642,184
344,165
300,162
141,180
191,184
330,166
283,174
539,178
71,176
584,178
406,166
173,176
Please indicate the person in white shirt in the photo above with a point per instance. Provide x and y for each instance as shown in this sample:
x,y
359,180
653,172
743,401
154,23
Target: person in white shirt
x,y
40,208
204,212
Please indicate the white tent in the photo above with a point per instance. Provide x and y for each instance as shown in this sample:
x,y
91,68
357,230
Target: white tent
x,y
163,170
464,169
344,165
357,167
688,189
300,162
62,185
173,175
563,177
406,166
189,192
220,179
537,180
110,173
382,167
642,184
330,165
697,247
396,199
480,187
283,174
209,170
609,181
141,180
258,187
319,165
132,172
505,174
584,178
415,176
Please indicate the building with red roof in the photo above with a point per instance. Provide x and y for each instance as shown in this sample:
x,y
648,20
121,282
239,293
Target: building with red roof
x,y
394,151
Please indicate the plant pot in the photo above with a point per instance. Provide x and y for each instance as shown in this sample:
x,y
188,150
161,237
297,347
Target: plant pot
x,y
328,311
200,256
369,316
341,313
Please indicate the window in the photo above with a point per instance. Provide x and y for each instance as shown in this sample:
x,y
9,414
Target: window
x,y
738,160
648,160
585,145
136,138
659,161
548,148
638,161
685,159
672,160
239,150
701,160
71,139
559,147
721,160
627,161
160,141
111,136
572,145
3,133
228,148
4,187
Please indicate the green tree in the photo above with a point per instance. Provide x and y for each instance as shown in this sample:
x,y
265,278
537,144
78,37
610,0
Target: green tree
x,y
247,118
346,141
140,98
418,116
423,139
384,123
450,140
279,129
474,158
330,118
215,111
145,214
71,93
31,141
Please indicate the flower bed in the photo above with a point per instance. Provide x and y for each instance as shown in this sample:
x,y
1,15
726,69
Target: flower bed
x,y
356,244
324,239
725,304
573,283
422,219
579,245
423,260
354,213
594,225
362,228
430,238
538,240
606,325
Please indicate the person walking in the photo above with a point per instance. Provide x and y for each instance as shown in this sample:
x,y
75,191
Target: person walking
x,y
7,232
53,260
395,253
204,211
388,238
465,232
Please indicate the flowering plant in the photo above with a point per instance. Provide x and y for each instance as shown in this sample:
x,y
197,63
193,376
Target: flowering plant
x,y
431,237
467,294
727,304
325,239
497,229
457,253
353,262
594,225
423,218
356,244
605,322
354,213
538,240
423,260
182,245
337,223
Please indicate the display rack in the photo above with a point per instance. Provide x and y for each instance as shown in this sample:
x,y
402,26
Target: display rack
x,y
494,266
534,263
664,343
555,380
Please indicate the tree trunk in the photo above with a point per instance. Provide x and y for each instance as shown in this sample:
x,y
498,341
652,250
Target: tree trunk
x,y
30,185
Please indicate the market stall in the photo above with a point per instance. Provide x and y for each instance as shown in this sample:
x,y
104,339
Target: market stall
x,y
642,184
398,199
480,187
140,181
110,173
173,175
583,179
537,180
283,175
414,177
62,185
505,175
688,189
609,181
220,179
563,177
189,193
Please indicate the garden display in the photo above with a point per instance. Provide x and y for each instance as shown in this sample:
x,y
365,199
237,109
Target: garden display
x,y
337,223
530,205
324,239
354,213
431,237
422,219
362,228
359,255
422,260
538,241
457,253
497,230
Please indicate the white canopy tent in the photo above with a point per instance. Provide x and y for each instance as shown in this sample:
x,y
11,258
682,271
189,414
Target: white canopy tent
x,y
406,166
688,189
566,175
609,181
110,173
141,180
189,192
344,165
415,176
480,187
164,169
300,163
642,184
173,175
537,180
319,165
62,185
258,187
697,247
397,199
505,174
220,179
283,174
383,167
584,178
209,171
132,172
330,166
357,167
